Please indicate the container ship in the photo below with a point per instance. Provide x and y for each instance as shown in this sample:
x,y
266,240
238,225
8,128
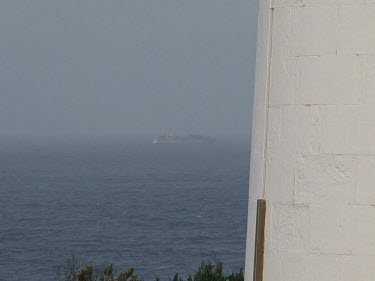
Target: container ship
x,y
170,137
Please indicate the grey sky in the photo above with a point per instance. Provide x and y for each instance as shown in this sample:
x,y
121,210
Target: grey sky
x,y
117,67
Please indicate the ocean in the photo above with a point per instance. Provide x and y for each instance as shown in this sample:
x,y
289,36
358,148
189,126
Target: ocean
x,y
158,208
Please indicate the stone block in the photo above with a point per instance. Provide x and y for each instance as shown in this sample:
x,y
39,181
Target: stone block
x,y
352,2
256,175
358,268
364,230
281,32
366,180
349,130
288,3
280,177
283,81
322,2
258,129
272,266
313,31
369,81
287,228
325,178
297,267
311,268
295,129
340,130
329,80
332,229
356,33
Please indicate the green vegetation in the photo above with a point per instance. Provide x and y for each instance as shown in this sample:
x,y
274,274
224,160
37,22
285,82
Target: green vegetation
x,y
207,271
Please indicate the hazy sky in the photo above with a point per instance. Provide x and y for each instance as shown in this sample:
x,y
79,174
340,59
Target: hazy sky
x,y
126,66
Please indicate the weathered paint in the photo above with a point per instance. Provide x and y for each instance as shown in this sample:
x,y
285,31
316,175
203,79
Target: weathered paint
x,y
313,146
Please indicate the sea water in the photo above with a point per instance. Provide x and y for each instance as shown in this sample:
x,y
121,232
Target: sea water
x,y
159,208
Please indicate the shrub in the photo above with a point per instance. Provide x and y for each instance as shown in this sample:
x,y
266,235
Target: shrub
x,y
85,273
69,270
236,276
207,271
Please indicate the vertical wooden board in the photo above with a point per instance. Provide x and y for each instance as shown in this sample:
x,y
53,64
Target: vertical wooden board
x,y
259,240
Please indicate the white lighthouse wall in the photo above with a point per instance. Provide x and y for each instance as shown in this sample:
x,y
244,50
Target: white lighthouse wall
x,y
313,146
258,142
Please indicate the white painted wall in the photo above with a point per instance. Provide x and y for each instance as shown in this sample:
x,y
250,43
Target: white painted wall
x,y
313,147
